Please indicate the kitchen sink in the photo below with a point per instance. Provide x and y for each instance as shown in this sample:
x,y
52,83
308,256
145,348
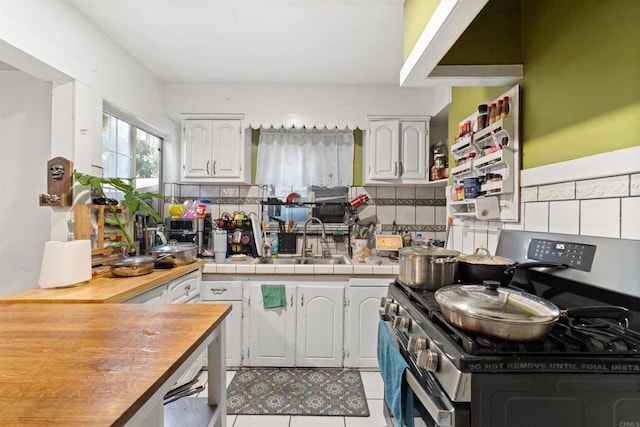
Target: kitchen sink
x,y
280,261
306,260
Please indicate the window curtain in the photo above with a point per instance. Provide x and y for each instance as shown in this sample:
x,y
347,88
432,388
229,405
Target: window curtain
x,y
305,157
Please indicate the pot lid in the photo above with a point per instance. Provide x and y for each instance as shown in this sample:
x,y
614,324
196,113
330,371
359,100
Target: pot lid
x,y
172,247
493,303
483,257
428,250
130,261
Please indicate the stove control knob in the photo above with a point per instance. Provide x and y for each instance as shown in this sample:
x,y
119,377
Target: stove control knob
x,y
390,308
402,323
416,344
427,359
384,301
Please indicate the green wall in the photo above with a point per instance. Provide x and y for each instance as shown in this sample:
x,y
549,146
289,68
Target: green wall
x,y
581,87
416,15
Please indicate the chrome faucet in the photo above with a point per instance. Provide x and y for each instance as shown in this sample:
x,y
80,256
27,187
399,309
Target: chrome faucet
x,y
304,233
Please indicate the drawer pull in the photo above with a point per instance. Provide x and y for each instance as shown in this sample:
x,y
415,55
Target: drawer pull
x,y
218,291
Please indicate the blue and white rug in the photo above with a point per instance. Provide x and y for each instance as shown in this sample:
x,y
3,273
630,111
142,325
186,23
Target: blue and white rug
x,y
297,391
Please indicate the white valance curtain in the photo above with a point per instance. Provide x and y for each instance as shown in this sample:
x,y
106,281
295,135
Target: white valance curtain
x,y
305,157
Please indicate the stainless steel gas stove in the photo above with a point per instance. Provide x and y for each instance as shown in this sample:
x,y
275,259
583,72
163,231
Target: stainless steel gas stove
x,y
583,373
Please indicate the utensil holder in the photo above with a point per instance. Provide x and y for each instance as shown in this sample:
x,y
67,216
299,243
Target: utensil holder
x,y
287,243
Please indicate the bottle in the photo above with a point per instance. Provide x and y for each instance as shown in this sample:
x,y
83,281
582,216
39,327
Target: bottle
x,y
483,117
493,109
505,107
499,112
274,245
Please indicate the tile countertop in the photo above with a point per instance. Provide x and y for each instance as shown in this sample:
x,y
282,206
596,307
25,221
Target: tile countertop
x,y
251,266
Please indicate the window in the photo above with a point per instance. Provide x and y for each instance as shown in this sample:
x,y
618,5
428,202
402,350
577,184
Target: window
x,y
130,152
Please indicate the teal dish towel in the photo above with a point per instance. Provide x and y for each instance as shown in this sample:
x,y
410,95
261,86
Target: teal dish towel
x,y
274,296
397,392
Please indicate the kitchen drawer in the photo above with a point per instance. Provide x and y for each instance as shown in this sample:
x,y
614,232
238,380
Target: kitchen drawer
x,y
185,288
217,291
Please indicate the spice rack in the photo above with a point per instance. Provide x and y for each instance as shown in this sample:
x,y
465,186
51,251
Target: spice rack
x,y
491,154
106,236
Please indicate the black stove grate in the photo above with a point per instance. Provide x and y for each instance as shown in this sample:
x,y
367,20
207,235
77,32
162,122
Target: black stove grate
x,y
574,337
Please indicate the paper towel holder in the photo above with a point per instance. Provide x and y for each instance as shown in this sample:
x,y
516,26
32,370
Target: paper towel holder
x,y
59,183
65,264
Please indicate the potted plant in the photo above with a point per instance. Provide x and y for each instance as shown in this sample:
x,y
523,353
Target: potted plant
x,y
134,201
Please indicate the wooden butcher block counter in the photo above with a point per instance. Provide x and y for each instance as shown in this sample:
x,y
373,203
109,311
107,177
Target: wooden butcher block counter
x,y
103,289
103,364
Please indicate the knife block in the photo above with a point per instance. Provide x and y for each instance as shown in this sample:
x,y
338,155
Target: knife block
x,y
287,243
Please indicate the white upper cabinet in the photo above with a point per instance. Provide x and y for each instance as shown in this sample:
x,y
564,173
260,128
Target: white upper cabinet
x,y
216,151
396,151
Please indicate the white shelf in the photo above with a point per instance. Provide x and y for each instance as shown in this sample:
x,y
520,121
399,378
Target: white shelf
x,y
503,138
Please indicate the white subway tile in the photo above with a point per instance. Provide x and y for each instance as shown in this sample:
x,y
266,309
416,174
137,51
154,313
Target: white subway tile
x,y
634,189
424,192
425,215
253,191
480,238
536,216
440,193
615,186
372,191
386,193
386,214
529,194
406,214
367,213
210,191
564,217
562,191
405,192
441,215
630,226
229,191
468,239
190,191
600,217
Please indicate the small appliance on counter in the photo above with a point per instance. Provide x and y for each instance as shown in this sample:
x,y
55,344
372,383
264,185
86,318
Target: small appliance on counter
x,y
189,230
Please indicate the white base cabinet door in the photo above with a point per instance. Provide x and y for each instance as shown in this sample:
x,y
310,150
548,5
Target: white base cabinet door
x,y
361,326
320,322
272,331
228,292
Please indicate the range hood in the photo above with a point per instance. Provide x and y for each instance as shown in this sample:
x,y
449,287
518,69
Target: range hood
x,y
449,21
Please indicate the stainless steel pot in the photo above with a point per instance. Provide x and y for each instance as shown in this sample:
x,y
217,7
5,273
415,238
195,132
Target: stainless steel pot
x,y
428,267
509,314
132,266
174,254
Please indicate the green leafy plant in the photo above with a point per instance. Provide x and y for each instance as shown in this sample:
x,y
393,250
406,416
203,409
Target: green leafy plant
x,y
134,201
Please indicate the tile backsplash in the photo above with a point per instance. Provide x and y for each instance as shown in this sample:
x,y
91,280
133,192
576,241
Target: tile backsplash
x,y
597,205
420,209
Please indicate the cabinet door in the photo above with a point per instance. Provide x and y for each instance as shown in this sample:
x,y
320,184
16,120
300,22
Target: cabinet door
x,y
198,149
272,331
414,150
383,149
319,339
361,326
227,149
233,331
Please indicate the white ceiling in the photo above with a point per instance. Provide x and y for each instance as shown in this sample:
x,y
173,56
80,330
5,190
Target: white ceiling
x,y
351,42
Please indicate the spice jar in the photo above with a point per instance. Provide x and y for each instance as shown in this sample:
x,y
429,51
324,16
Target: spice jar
x,y
482,120
493,110
505,107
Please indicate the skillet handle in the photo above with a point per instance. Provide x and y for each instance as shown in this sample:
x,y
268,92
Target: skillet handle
x,y
527,265
621,314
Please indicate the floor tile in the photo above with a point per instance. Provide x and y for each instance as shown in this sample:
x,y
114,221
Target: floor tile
x,y
373,385
375,418
262,421
231,419
313,421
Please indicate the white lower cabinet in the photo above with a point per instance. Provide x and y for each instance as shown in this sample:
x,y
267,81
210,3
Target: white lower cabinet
x,y
307,331
361,324
227,292
320,323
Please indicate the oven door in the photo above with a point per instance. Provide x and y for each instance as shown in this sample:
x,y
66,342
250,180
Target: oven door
x,y
432,406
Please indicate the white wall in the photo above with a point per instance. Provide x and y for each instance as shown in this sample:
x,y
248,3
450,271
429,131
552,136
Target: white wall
x,y
54,42
25,139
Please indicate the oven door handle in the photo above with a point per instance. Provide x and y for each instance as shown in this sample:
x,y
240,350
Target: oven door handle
x,y
444,417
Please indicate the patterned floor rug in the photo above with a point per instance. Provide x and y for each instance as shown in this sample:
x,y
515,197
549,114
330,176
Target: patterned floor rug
x,y
295,391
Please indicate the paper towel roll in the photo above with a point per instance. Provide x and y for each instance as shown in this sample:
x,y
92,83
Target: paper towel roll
x,y
65,264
